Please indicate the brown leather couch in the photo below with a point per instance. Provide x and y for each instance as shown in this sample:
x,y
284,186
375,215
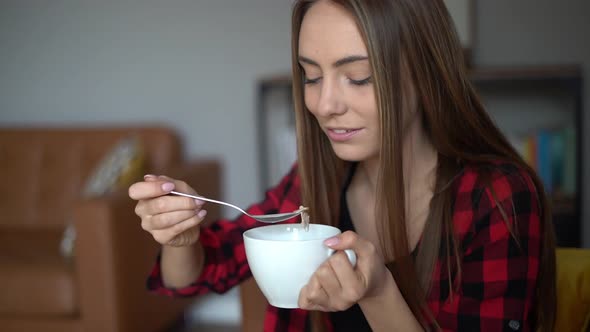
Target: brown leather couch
x,y
101,288
253,306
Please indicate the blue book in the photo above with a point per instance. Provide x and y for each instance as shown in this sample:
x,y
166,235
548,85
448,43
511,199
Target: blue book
x,y
569,163
557,160
544,159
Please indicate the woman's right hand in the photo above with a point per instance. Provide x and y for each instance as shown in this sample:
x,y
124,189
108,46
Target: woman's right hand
x,y
171,220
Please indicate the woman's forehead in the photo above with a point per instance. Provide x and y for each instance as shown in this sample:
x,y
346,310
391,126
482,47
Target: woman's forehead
x,y
329,30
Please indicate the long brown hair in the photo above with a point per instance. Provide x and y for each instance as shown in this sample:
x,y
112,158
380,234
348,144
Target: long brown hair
x,y
414,43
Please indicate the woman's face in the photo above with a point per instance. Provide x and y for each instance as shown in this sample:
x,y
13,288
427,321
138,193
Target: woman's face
x,y
338,81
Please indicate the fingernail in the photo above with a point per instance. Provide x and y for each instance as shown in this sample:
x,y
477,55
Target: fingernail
x,y
332,241
168,186
202,214
199,202
148,176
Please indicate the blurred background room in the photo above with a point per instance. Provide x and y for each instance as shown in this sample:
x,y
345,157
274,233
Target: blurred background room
x,y
212,77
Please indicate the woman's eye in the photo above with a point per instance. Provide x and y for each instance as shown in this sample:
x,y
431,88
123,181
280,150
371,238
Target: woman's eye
x,y
310,80
364,81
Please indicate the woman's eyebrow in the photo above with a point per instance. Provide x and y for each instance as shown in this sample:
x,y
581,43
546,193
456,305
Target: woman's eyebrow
x,y
338,63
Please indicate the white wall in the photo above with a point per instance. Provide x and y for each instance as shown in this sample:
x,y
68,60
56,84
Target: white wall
x,y
193,64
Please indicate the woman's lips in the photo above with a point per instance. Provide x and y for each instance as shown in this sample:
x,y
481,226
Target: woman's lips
x,y
341,134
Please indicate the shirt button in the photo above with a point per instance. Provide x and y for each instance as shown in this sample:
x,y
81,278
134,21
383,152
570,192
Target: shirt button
x,y
514,325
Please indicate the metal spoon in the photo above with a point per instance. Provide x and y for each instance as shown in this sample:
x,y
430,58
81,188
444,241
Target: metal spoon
x,y
266,218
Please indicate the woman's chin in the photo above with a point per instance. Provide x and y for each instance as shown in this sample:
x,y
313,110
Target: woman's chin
x,y
351,154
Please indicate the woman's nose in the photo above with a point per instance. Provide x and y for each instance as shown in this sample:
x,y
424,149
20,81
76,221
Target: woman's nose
x,y
331,101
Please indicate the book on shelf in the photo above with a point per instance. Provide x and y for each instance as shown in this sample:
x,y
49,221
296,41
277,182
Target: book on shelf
x,y
552,154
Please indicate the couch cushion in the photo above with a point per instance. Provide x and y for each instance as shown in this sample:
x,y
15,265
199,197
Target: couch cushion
x,y
49,167
35,279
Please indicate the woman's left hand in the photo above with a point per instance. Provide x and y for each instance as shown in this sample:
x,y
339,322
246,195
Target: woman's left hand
x,y
336,285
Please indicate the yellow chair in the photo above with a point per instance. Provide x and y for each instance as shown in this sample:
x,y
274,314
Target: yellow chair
x,y
573,290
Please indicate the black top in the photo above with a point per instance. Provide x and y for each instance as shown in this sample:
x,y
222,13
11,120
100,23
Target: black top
x,y
353,318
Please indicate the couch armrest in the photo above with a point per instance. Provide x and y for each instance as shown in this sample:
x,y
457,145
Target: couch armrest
x,y
205,176
113,257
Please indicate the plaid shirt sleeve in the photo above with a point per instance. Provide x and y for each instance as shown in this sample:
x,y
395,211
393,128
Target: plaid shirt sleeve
x,y
500,262
225,257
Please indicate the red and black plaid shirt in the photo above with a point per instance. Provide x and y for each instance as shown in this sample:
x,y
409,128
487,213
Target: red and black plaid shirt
x,y
499,272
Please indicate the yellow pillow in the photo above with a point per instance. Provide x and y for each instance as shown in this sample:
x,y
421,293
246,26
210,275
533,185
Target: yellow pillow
x,y
120,167
573,289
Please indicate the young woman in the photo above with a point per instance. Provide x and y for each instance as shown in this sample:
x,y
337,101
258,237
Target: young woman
x,y
450,226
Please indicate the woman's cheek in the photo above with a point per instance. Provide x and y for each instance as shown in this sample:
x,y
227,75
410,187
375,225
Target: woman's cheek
x,y
311,99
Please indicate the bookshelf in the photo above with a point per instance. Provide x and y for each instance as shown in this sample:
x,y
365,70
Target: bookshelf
x,y
562,81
